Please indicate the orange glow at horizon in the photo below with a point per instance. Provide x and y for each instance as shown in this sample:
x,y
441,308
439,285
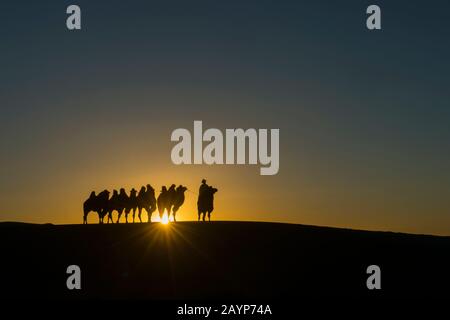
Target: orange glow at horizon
x,y
165,219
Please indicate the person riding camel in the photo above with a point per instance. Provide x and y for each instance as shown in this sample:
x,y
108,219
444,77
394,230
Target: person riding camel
x,y
202,190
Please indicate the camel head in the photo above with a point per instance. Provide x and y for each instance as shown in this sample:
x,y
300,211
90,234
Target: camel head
x,y
181,189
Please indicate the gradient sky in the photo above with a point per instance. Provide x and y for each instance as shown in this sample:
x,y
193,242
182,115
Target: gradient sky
x,y
363,116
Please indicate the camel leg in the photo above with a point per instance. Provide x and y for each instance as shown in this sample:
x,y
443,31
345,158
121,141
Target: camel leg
x,y
152,209
118,217
104,213
174,214
139,214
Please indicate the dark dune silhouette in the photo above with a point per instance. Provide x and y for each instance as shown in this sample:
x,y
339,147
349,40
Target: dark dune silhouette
x,y
218,260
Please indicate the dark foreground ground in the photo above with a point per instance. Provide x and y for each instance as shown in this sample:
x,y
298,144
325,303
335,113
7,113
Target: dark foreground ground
x,y
218,260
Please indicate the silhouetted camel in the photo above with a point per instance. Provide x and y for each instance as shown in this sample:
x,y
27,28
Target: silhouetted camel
x,y
146,200
178,200
113,204
164,202
90,205
103,199
205,203
131,204
121,203
97,204
171,193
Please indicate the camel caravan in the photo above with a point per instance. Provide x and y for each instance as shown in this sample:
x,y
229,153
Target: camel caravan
x,y
169,200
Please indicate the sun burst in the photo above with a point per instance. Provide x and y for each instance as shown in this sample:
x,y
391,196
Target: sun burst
x,y
165,220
